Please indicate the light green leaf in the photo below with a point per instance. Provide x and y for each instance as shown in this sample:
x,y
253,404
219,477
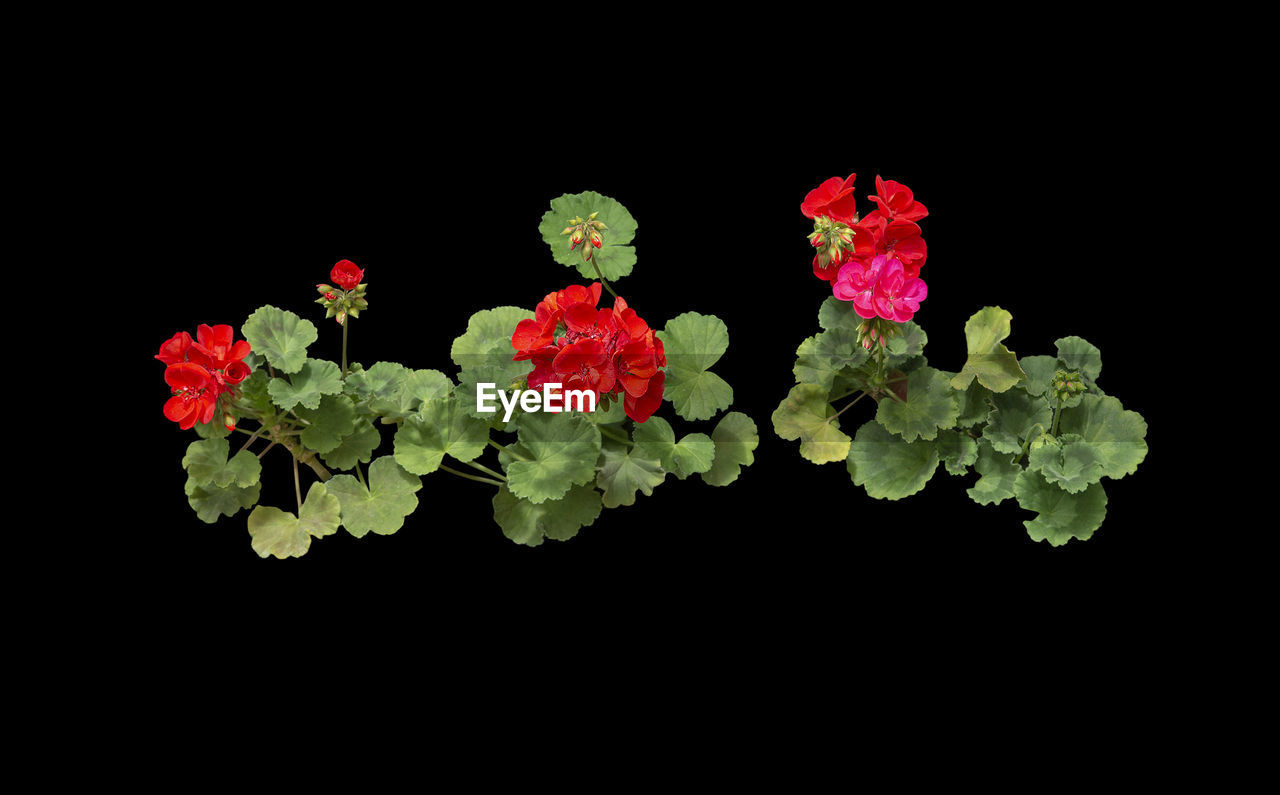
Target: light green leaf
x,y
488,337
358,446
206,464
442,428
1039,370
691,455
906,345
284,535
316,378
888,467
1068,461
560,451
998,472
1062,516
212,430
693,343
821,358
736,439
616,259
526,523
1118,435
626,470
254,392
806,415
1014,418
210,501
281,336
994,365
383,506
1078,354
975,405
957,450
931,405
836,314
335,419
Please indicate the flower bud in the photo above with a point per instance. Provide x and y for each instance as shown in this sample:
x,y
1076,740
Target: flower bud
x,y
568,230
331,296
229,422
341,317
596,239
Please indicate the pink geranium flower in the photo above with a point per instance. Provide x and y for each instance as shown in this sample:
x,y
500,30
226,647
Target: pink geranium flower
x,y
897,296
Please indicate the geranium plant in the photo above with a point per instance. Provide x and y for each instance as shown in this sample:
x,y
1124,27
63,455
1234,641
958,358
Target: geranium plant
x,y
1037,429
554,465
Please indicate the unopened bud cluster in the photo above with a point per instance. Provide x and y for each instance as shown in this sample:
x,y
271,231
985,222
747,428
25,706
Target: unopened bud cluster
x,y
585,233
339,303
833,240
1067,385
876,331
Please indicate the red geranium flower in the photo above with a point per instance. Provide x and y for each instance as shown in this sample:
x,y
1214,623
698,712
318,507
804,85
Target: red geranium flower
x,y
900,239
896,202
346,274
833,198
215,347
175,349
195,394
572,342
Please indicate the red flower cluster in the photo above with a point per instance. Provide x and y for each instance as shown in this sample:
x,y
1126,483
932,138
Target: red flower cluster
x,y
346,274
873,262
890,230
200,371
607,351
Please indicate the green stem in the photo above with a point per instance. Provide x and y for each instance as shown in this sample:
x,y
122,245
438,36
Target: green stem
x,y
605,430
600,275
297,487
476,478
507,450
1057,415
485,469
846,408
267,449
345,320
360,476
1027,443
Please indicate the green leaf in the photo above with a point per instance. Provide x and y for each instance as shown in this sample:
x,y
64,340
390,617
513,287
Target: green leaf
x,y
606,413
442,428
254,392
975,405
931,405
736,439
626,470
212,430
693,343
836,314
488,337
1039,370
994,365
210,501
806,415
888,467
358,446
383,506
998,472
316,378
616,259
691,455
284,535
560,451
1015,416
335,419
821,358
1080,355
206,464
957,450
1118,435
1062,516
906,345
1068,461
281,336
526,523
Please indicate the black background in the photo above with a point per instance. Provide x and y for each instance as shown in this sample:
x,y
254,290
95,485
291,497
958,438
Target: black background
x,y
442,208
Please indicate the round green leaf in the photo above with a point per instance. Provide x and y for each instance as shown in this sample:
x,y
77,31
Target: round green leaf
x,y
358,446
210,501
994,365
206,464
888,467
382,507
1062,515
1118,435
1015,416
442,428
275,532
281,336
626,470
999,473
559,451
1068,461
957,450
693,343
526,523
736,439
931,405
1079,354
806,415
314,379
335,419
